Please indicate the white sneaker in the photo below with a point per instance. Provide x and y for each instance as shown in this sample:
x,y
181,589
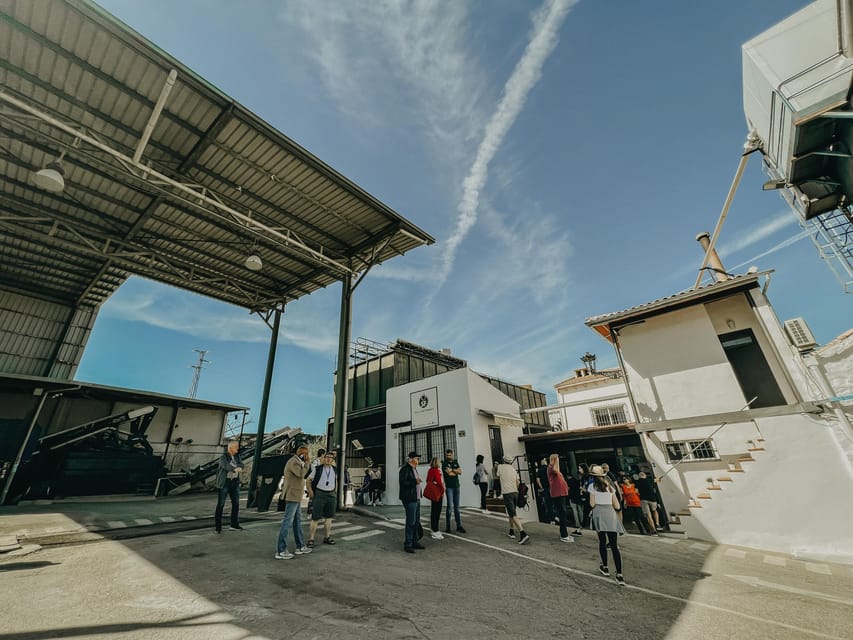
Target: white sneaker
x,y
379,503
436,535
567,539
284,556
302,551
484,511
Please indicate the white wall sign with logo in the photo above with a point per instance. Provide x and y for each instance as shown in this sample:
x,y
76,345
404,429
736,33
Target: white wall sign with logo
x,y
424,408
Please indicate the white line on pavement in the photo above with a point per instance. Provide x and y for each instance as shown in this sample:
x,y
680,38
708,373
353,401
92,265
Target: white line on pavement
x,y
758,582
189,517
779,562
735,553
348,529
667,540
167,519
818,568
391,525
116,524
365,534
650,592
143,521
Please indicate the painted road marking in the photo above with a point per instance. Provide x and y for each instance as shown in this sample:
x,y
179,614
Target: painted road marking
x,y
818,568
365,534
651,592
189,517
779,562
143,521
116,524
346,529
758,582
392,525
735,553
700,545
667,540
167,519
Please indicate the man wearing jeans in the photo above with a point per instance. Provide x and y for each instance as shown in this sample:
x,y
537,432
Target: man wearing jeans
x,y
294,486
451,470
410,496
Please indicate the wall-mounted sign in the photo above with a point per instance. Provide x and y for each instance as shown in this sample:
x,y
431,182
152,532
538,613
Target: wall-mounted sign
x,y
461,434
424,408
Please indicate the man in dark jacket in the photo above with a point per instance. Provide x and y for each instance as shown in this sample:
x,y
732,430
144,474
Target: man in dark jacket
x,y
228,484
410,496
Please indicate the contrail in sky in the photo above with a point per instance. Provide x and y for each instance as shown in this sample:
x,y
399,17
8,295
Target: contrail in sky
x,y
774,249
546,26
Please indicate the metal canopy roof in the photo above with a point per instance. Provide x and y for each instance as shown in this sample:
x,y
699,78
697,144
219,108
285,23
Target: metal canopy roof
x,y
212,185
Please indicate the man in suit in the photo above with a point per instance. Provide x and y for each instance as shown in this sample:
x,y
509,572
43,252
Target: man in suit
x,y
410,496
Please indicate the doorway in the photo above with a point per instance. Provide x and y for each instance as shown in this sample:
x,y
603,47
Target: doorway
x,y
496,445
751,369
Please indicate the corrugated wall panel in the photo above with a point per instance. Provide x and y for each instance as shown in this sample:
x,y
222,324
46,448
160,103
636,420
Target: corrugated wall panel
x,y
33,332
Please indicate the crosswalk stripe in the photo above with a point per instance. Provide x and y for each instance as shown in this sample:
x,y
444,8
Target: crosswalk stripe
x,y
189,518
143,521
667,540
779,562
116,524
348,529
735,553
817,568
392,525
167,519
365,534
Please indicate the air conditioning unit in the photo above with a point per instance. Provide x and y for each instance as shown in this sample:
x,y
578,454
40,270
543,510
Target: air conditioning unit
x,y
799,334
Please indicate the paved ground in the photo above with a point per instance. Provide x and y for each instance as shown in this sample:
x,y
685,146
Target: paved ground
x,y
196,584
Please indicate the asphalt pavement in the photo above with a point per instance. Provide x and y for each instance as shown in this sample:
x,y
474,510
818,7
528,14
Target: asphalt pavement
x,y
197,584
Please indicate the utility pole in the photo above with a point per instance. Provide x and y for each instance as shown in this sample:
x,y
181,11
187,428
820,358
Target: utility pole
x,y
197,374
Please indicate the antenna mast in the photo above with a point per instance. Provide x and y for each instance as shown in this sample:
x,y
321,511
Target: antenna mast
x,y
197,373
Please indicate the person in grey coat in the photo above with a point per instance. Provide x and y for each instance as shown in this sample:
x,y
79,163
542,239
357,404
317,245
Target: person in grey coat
x,y
228,484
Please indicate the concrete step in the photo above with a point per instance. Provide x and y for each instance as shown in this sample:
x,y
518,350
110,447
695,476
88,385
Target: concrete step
x,y
704,496
724,479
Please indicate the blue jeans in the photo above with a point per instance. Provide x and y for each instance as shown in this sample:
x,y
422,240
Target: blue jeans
x,y
232,489
413,517
292,518
452,499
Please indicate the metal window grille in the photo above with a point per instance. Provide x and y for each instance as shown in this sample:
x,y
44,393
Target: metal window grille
x,y
613,414
691,451
430,443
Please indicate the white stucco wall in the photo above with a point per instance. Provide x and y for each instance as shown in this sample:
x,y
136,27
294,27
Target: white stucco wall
x,y
794,498
601,393
461,394
677,368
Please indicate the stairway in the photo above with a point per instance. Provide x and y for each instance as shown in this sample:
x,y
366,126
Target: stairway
x,y
714,488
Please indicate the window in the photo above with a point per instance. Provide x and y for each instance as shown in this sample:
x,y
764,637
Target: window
x,y
691,451
430,443
613,414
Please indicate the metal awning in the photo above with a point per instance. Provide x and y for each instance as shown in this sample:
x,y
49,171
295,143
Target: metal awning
x,y
166,177
502,419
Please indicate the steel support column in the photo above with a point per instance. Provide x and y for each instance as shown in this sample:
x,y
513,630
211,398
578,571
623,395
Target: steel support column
x,y
262,418
339,430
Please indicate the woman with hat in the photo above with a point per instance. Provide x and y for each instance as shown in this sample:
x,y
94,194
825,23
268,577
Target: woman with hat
x,y
604,520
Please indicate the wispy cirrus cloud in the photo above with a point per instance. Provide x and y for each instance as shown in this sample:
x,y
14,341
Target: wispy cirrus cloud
x,y
528,70
758,232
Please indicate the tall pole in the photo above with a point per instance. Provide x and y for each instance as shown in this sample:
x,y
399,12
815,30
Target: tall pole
x,y
262,418
339,430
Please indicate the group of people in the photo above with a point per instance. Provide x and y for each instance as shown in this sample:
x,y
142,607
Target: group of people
x,y
443,480
597,497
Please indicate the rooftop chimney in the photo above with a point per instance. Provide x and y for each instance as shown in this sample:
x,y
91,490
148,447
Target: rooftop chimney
x,y
714,261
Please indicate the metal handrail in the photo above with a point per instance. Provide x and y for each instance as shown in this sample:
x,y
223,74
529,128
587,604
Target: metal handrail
x,y
745,407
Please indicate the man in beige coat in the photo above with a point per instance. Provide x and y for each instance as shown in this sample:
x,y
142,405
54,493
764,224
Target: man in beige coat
x,y
293,490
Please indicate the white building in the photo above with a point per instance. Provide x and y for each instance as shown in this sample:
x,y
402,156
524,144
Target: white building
x,y
592,399
456,410
734,420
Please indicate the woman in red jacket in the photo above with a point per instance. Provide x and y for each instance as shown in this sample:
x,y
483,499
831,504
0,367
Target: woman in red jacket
x,y
434,492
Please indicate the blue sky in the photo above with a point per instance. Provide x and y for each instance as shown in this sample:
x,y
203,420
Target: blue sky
x,y
564,155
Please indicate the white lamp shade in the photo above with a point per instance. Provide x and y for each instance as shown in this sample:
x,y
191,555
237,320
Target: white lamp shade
x,y
254,263
50,178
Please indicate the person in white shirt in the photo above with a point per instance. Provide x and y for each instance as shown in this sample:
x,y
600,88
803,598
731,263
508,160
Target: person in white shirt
x,y
322,486
508,478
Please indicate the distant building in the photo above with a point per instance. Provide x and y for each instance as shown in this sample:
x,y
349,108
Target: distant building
x,y
734,417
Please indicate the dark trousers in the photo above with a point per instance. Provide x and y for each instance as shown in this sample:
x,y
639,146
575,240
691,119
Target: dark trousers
x,y
484,489
231,489
635,515
611,538
435,514
413,516
558,505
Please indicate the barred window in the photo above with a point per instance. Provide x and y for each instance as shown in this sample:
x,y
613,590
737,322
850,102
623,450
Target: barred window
x,y
612,414
691,451
430,443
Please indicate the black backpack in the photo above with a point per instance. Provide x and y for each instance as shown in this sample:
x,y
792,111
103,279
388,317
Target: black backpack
x,y
523,493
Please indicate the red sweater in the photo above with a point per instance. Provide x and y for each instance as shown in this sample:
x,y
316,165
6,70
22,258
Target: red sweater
x,y
434,475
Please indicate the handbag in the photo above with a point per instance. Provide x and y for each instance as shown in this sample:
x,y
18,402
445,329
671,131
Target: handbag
x,y
433,492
